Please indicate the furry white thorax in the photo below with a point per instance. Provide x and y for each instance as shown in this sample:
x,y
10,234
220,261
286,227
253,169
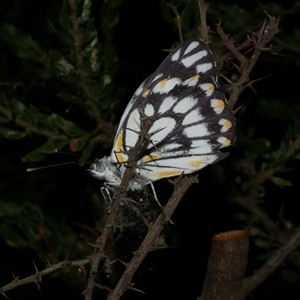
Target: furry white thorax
x,y
105,169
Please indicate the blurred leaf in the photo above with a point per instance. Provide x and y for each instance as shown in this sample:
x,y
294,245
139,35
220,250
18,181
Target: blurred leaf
x,y
261,242
239,17
19,106
85,154
9,209
89,32
93,52
57,33
70,98
297,126
86,10
4,120
62,64
188,15
36,212
67,126
20,42
242,217
275,109
109,17
82,141
43,118
64,18
6,113
280,181
259,147
266,255
297,156
166,11
8,232
12,134
285,142
290,275
22,111
48,148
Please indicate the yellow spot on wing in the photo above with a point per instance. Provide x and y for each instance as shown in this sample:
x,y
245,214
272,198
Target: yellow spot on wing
x,y
225,143
193,78
196,163
163,82
219,106
145,93
151,157
119,148
226,124
210,86
164,174
121,157
119,142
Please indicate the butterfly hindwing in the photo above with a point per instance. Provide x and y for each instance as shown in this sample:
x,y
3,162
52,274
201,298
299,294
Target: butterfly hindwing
x,y
192,119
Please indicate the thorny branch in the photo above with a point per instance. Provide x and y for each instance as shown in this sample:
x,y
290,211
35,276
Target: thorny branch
x,y
181,185
37,277
203,29
119,197
274,262
258,42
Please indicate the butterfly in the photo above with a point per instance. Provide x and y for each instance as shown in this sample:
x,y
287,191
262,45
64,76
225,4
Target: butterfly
x,y
191,121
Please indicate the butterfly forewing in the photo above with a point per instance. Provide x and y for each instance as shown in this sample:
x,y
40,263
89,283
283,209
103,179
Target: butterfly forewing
x,y
192,119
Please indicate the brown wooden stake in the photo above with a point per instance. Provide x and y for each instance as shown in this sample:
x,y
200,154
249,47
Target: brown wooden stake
x,y
226,266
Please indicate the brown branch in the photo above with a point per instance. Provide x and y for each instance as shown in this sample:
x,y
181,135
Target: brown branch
x,y
274,262
228,56
259,42
203,7
39,274
230,46
99,254
119,196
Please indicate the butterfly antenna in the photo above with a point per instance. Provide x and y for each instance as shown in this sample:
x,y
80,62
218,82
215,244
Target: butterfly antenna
x,y
65,152
61,164
73,154
51,166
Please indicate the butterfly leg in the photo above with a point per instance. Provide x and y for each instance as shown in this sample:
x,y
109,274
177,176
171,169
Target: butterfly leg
x,y
106,194
154,194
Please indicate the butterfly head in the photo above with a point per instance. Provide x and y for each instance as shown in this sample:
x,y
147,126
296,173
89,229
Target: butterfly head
x,y
104,169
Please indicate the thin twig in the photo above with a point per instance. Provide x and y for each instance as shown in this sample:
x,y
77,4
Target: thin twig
x,y
274,262
263,37
39,274
203,7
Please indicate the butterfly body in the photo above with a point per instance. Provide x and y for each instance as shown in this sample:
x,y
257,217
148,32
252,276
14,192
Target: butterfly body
x,y
191,121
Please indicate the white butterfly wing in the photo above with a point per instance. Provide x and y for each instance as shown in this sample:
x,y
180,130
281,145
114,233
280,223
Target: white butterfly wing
x,y
193,119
